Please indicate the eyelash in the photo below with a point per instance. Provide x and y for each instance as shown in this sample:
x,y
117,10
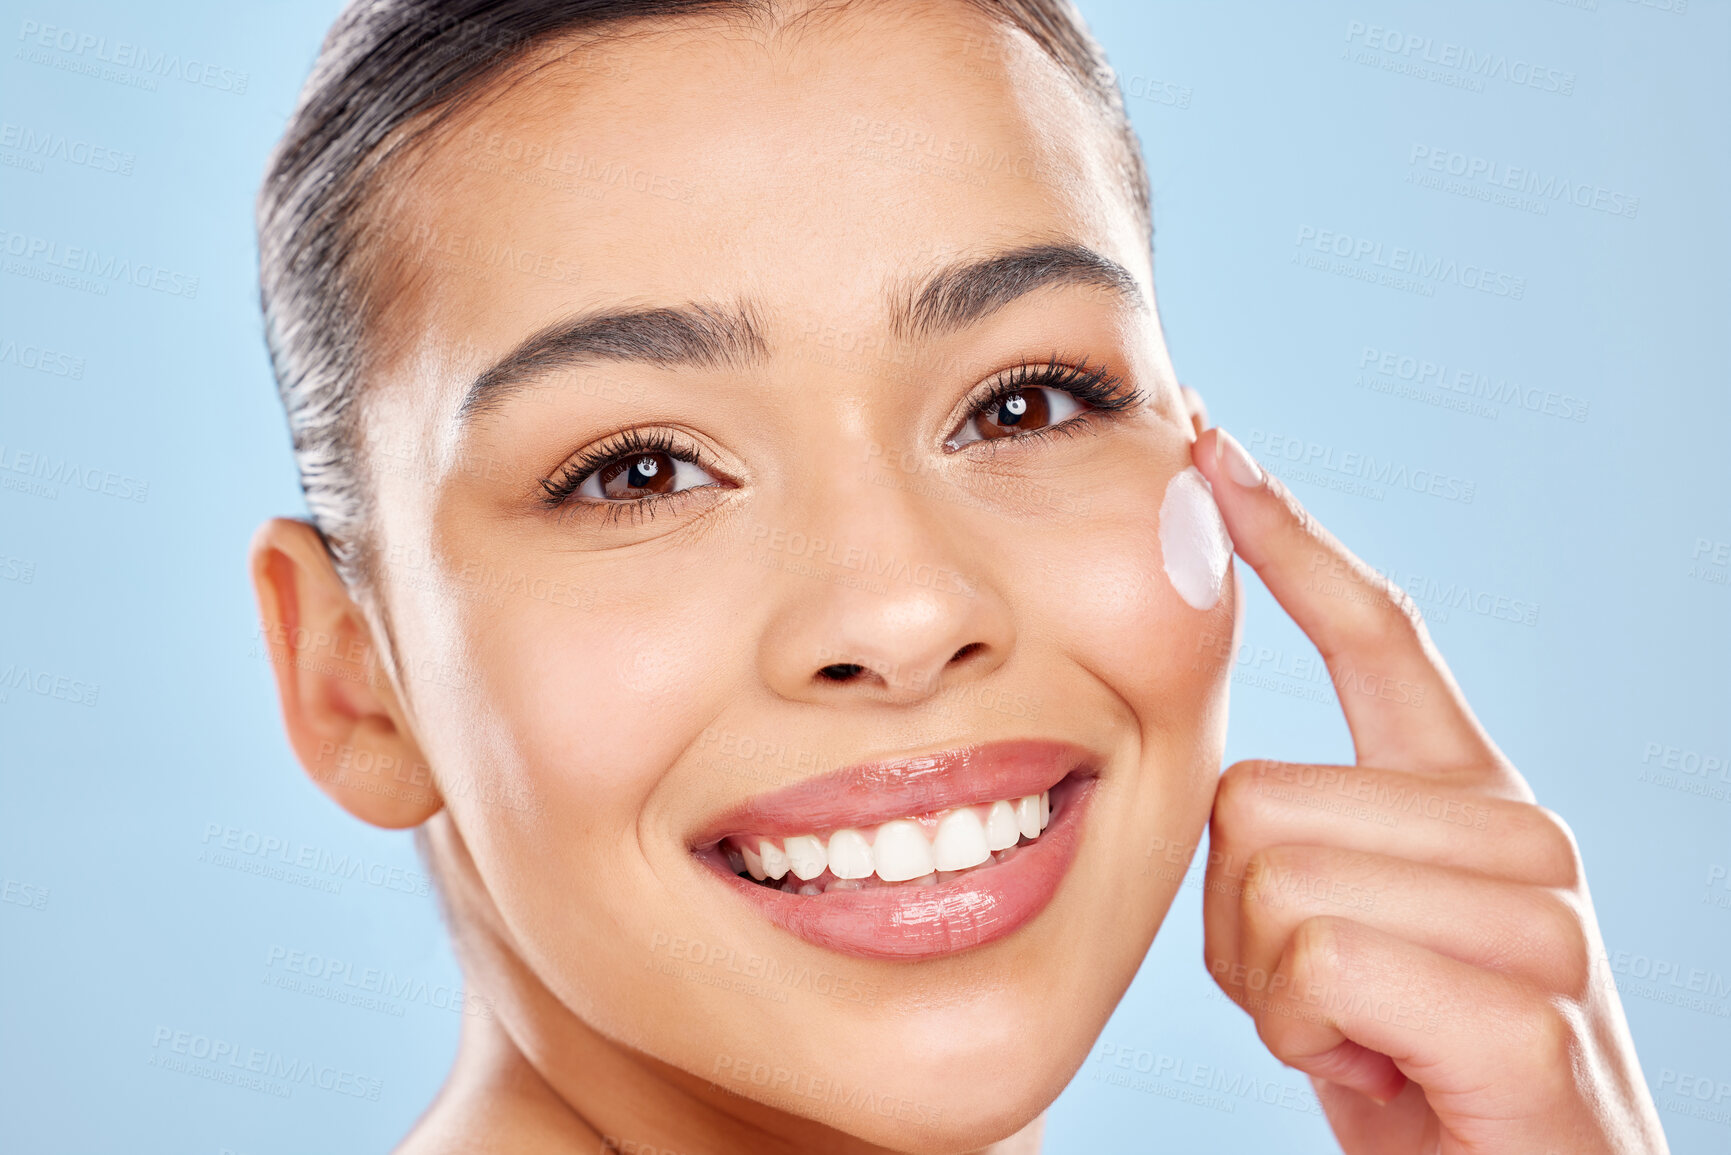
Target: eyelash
x,y
558,490
1104,392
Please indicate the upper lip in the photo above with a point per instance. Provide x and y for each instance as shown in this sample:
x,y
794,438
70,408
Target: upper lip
x,y
873,792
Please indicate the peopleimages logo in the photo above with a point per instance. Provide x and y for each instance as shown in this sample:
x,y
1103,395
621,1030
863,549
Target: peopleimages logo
x,y
40,358
1231,1086
252,852
1462,66
257,1068
84,48
372,988
1470,383
1487,179
46,684
1369,257
40,146
46,470
89,262
1306,458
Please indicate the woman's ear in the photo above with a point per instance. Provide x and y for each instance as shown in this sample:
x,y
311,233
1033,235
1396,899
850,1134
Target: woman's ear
x,y
1195,408
338,705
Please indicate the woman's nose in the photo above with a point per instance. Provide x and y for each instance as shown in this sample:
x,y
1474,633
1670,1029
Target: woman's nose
x,y
887,604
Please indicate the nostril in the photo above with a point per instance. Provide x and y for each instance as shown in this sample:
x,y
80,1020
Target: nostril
x,y
841,671
966,651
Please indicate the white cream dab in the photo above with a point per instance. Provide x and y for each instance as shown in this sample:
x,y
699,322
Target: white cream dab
x,y
1194,545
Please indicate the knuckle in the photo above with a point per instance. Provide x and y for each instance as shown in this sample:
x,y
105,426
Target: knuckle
x,y
1403,608
1274,877
1288,1038
1219,966
1242,774
1377,627
1218,937
1553,1043
1558,934
1392,618
1260,891
1262,867
1312,957
1556,856
1240,798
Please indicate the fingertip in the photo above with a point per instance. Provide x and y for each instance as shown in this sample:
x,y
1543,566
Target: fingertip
x,y
1203,453
1222,458
1235,461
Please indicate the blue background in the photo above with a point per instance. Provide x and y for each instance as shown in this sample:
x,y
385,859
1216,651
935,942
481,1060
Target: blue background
x,y
1260,121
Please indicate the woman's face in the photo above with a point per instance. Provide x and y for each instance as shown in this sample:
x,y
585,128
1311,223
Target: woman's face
x,y
788,525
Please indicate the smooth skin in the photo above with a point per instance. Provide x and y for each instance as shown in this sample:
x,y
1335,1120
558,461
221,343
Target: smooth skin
x,y
560,698
573,696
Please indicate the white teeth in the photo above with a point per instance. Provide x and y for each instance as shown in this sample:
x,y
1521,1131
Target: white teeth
x,y
1028,815
960,841
775,862
806,856
924,851
850,855
1001,829
901,851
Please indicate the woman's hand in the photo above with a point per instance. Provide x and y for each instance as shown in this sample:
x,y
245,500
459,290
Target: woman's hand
x,y
1412,931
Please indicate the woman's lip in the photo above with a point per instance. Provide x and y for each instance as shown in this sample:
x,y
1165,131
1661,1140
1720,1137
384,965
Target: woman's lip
x,y
907,923
874,792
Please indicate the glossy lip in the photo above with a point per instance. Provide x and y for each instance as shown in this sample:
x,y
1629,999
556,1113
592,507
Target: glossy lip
x,y
875,792
909,923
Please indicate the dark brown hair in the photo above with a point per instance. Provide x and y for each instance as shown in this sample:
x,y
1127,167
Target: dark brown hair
x,y
389,73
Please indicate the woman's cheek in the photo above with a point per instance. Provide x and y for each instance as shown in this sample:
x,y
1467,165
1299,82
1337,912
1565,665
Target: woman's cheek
x,y
1111,599
600,704
571,715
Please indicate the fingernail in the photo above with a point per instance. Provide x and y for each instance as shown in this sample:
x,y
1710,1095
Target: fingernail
x,y
1239,465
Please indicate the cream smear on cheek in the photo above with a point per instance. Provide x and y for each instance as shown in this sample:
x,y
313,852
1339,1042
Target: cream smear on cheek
x,y
1194,545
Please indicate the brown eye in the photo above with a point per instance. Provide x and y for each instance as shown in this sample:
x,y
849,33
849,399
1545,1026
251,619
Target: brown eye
x,y
1019,412
631,469
637,476
1024,411
640,474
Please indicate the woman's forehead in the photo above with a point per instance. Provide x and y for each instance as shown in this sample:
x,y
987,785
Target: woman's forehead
x,y
690,164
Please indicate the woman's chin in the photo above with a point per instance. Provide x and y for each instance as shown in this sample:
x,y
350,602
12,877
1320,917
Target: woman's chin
x,y
959,1113
928,1076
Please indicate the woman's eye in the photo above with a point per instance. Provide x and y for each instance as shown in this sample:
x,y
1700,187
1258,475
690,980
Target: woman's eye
x,y
1024,411
643,474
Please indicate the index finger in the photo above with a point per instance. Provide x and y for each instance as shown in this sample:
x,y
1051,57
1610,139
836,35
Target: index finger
x,y
1404,708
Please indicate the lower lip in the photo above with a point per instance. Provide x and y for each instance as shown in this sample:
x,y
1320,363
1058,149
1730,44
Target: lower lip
x,y
917,922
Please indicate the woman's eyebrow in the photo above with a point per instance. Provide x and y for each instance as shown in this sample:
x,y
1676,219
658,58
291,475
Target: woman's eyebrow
x,y
960,294
706,337
697,336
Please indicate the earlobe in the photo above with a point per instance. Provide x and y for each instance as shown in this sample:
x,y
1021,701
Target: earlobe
x,y
1194,408
339,708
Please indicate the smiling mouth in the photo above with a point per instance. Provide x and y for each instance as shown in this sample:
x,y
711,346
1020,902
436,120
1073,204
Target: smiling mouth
x,y
912,858
914,851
